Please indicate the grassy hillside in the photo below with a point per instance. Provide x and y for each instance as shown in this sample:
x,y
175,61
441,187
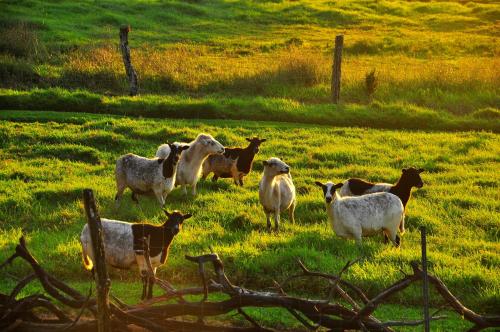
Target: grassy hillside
x,y
438,55
48,158
391,26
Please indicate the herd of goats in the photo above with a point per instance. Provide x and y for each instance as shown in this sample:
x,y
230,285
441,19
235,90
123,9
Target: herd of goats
x,y
358,209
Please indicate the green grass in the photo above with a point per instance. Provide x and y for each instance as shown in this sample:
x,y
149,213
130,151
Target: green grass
x,y
47,159
377,26
374,115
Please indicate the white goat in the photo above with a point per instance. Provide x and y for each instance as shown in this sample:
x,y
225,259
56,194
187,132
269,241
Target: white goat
x,y
189,167
353,217
124,245
143,175
276,191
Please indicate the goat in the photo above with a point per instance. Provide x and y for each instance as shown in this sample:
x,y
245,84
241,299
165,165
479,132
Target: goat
x,y
143,175
410,177
276,191
353,217
189,167
124,245
235,163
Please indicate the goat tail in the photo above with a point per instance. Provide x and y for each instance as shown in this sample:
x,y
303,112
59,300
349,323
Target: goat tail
x,y
87,262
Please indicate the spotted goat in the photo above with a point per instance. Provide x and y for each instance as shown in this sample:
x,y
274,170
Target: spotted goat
x,y
354,217
145,176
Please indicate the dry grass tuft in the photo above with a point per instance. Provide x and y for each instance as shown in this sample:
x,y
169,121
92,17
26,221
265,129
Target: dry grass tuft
x,y
21,40
297,66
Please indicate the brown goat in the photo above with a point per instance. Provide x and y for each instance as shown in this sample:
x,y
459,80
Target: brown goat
x,y
235,163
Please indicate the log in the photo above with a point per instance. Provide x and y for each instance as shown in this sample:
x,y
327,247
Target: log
x,y
100,271
19,314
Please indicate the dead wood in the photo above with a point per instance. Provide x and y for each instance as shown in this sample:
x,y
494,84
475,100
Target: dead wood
x,y
18,314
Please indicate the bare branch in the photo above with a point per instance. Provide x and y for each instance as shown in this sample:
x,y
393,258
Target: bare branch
x,y
411,322
312,313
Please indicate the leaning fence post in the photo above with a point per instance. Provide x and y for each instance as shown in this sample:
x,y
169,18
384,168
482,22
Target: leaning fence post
x,y
129,69
425,287
336,68
100,271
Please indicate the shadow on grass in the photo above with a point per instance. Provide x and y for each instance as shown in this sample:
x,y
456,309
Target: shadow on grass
x,y
69,152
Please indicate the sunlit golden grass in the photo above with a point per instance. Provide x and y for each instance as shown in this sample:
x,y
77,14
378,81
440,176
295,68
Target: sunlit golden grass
x,y
195,68
459,85
441,55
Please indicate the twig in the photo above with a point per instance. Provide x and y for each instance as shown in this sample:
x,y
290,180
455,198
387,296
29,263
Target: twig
x,y
9,260
248,318
120,303
25,281
411,322
81,311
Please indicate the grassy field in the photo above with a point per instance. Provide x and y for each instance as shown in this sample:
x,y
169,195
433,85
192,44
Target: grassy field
x,y
48,158
237,68
441,56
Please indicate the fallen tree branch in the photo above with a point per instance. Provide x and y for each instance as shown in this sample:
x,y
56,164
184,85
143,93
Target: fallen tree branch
x,y
18,314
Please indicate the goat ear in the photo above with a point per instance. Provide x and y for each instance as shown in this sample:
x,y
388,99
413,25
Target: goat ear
x,y
338,185
187,216
263,140
404,170
160,160
420,170
265,163
248,139
319,184
166,213
185,147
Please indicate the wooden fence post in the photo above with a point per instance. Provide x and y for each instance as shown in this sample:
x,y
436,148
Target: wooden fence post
x,y
336,68
129,69
425,287
100,271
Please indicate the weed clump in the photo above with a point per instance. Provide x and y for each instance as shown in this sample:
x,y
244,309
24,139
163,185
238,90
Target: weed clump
x,y
21,40
300,67
371,83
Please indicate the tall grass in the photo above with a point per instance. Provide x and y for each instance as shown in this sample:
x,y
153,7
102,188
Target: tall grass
x,y
442,55
21,40
458,86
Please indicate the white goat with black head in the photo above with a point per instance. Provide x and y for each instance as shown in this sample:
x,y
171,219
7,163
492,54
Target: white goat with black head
x,y
356,216
145,176
189,167
124,245
277,191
